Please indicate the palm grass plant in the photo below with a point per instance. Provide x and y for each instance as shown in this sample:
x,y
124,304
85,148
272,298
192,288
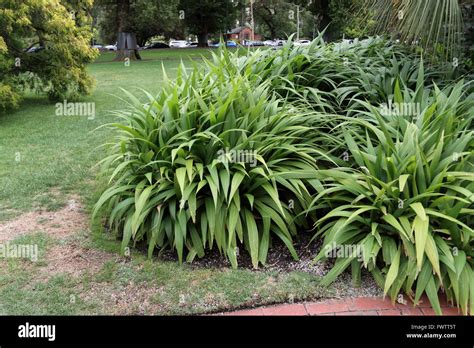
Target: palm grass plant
x,y
334,77
200,166
244,150
406,203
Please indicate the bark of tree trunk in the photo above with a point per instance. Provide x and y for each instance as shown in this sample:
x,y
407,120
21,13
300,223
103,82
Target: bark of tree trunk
x,y
325,22
202,39
127,52
122,15
270,25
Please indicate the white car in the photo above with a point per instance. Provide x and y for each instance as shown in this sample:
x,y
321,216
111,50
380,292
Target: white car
x,y
252,43
111,47
179,44
270,43
302,43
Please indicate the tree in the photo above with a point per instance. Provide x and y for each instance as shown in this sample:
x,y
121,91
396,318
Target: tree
x,y
277,18
121,17
468,39
350,19
61,32
321,11
336,17
146,18
206,17
270,13
151,18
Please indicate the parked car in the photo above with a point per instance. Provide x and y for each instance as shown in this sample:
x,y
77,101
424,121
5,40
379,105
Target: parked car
x,y
193,44
179,44
278,44
253,43
156,45
302,43
229,43
270,43
111,47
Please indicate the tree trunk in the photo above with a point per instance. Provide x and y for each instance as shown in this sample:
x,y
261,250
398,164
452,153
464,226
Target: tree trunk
x,y
325,20
202,39
269,23
127,47
122,16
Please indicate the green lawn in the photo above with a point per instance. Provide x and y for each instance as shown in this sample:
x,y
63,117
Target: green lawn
x,y
40,150
139,286
162,54
44,158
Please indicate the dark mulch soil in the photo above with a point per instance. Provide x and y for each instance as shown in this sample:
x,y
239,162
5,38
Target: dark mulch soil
x,y
279,258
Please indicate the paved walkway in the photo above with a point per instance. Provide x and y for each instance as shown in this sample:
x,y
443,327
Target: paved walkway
x,y
349,306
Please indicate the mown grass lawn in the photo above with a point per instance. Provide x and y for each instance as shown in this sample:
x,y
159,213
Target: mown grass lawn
x,y
142,287
40,150
45,158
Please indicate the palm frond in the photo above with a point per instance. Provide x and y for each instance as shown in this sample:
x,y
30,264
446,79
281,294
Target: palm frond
x,y
435,25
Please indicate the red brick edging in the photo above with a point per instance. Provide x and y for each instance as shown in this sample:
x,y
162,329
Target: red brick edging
x,y
349,306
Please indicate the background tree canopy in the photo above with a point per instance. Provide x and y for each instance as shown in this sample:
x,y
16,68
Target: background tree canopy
x,y
144,18
206,17
61,31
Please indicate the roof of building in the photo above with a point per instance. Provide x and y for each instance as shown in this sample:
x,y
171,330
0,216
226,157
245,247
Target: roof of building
x,y
237,30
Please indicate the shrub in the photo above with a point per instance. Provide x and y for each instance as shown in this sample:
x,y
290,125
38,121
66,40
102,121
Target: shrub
x,y
335,77
212,161
401,196
59,67
407,204
9,99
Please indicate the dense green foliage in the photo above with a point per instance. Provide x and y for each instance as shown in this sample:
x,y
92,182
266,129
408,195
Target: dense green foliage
x,y
211,161
397,184
278,19
144,18
407,199
434,25
208,17
336,77
62,28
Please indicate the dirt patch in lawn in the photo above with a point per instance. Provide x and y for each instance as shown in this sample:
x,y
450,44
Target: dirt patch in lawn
x,y
58,224
65,256
73,260
68,255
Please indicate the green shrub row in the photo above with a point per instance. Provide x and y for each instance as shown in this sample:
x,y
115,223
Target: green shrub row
x,y
206,163
246,149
